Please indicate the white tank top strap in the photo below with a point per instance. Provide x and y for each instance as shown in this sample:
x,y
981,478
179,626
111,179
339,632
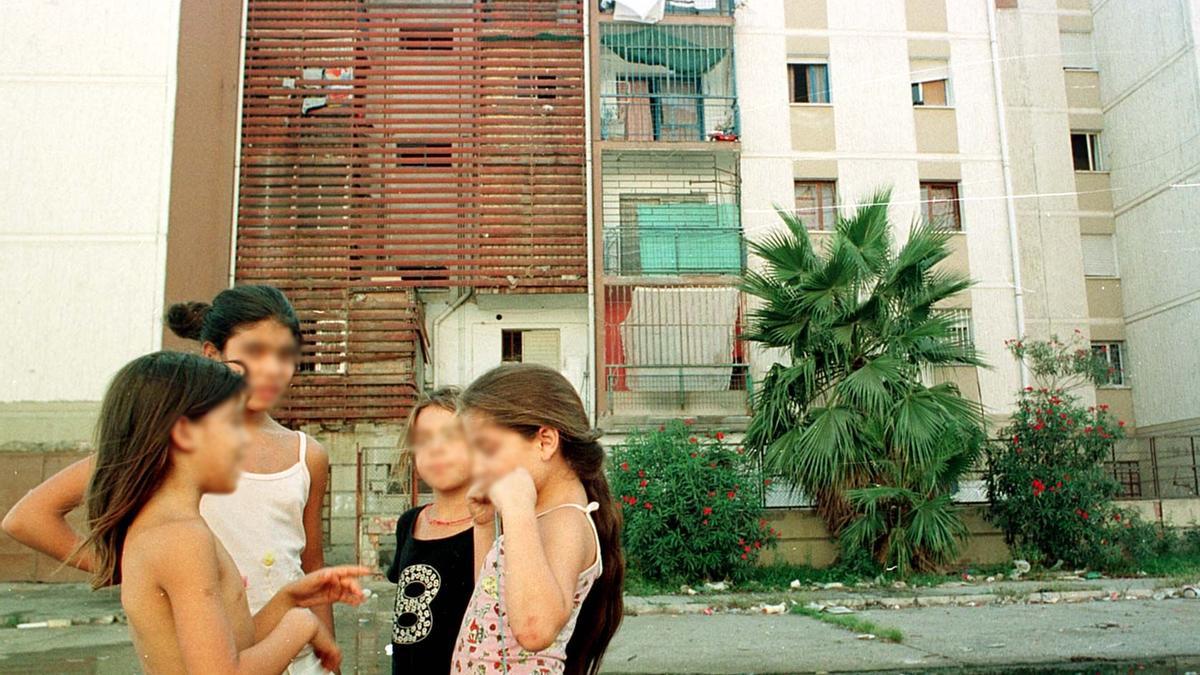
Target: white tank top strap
x,y
303,452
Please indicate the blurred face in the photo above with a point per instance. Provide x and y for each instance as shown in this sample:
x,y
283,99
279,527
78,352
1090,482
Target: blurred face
x,y
267,354
440,452
217,441
498,449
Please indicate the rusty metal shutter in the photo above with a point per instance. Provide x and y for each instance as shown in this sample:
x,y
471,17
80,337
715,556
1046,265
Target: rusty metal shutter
x,y
394,146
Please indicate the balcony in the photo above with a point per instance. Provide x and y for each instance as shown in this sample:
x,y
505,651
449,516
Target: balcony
x,y
686,7
672,350
671,215
667,83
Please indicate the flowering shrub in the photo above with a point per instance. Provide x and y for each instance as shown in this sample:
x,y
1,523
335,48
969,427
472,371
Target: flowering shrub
x,y
692,504
1049,490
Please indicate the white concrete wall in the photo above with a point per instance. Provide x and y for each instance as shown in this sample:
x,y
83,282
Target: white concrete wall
x,y
1150,91
89,92
467,342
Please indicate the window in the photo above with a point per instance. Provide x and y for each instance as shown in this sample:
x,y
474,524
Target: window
x,y
961,333
816,204
539,346
1085,150
1077,51
939,202
931,92
1099,255
808,82
1113,355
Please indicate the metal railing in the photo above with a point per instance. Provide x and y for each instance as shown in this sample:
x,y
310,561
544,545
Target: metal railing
x,y
664,390
668,117
686,7
661,247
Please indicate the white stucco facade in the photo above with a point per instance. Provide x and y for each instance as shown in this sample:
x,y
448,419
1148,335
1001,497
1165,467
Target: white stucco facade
x,y
1150,92
89,91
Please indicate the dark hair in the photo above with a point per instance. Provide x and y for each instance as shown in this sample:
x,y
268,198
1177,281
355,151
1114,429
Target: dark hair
x,y
230,310
526,398
133,440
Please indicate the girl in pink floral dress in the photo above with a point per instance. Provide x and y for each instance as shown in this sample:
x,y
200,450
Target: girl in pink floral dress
x,y
558,564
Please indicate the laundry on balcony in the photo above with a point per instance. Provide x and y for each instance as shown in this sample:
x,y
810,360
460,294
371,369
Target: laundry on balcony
x,y
657,46
689,331
640,11
689,239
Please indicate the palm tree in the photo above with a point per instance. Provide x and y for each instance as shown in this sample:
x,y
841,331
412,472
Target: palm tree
x,y
845,416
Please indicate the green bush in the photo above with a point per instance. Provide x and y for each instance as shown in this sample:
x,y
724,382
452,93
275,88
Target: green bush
x,y
692,505
1050,492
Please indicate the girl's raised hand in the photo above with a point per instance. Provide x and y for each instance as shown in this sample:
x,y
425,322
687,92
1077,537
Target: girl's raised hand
x,y
514,491
329,585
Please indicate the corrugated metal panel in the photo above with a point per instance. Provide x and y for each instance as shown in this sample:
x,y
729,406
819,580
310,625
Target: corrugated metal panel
x,y
391,146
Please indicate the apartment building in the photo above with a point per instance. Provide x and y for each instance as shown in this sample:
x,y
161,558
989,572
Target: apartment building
x,y
443,187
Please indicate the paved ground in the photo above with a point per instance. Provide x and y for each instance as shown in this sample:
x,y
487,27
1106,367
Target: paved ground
x,y
1160,634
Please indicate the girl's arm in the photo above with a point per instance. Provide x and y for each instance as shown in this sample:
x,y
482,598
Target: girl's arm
x,y
539,588
185,566
321,588
39,519
312,558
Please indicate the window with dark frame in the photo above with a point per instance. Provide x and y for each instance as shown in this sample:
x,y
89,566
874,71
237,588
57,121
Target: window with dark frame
x,y
808,82
1085,151
816,203
511,350
1113,354
939,202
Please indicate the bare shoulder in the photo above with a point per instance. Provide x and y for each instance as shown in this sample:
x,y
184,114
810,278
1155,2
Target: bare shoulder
x,y
317,457
173,548
568,530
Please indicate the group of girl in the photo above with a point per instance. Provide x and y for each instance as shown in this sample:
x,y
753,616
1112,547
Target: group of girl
x,y
207,512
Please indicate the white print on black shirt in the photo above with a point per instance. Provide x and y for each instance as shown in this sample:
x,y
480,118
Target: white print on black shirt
x,y
416,588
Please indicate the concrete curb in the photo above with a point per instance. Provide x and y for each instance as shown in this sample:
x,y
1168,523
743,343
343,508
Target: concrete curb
x,y
686,605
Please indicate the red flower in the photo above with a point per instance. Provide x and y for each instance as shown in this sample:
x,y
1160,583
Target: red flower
x,y
766,481
720,435
1038,487
745,557
641,473
1117,517
707,511
689,421
712,493
649,506
746,548
758,544
692,440
624,466
644,483
693,455
1120,423
704,522
731,494
712,464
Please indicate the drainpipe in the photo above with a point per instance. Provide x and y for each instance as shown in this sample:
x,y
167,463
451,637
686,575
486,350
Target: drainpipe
x,y
237,143
1009,200
437,325
589,382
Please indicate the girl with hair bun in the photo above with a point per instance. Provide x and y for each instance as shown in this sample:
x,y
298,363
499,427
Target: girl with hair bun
x,y
271,524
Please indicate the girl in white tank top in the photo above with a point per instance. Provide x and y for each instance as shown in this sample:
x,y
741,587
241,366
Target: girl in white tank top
x,y
261,524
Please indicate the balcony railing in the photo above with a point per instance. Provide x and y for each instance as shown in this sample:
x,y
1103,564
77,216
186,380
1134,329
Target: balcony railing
x,y
668,117
686,7
665,390
669,249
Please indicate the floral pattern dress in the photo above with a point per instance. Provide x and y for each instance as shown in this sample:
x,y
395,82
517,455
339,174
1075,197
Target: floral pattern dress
x,y
486,644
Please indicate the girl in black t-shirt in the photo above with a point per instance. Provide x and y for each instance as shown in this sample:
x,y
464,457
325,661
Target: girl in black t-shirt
x,y
434,568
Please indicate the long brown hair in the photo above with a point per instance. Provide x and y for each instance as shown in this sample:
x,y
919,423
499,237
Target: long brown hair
x,y
525,398
133,439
